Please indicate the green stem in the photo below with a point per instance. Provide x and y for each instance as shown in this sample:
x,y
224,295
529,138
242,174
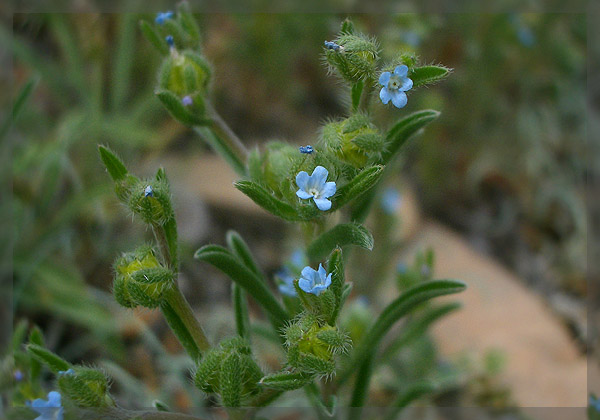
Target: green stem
x,y
163,244
242,320
365,97
184,324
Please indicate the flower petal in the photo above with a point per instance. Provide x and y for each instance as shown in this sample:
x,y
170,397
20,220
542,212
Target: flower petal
x,y
305,285
303,194
308,273
322,273
401,70
399,99
287,290
319,176
384,78
328,190
54,398
384,95
302,180
318,289
328,280
322,203
407,84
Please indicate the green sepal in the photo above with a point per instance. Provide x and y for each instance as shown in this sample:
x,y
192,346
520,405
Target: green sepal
x,y
339,236
153,37
48,358
114,165
35,337
428,74
336,268
231,374
359,185
347,27
188,23
397,136
173,104
206,375
86,387
285,381
357,90
338,341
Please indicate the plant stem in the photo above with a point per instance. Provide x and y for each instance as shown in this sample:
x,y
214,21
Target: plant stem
x,y
161,239
181,308
365,97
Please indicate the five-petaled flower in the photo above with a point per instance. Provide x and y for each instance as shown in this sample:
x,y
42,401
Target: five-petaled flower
x,y
314,281
50,409
162,17
315,186
394,85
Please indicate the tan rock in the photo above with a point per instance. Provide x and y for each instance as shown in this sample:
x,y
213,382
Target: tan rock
x,y
544,368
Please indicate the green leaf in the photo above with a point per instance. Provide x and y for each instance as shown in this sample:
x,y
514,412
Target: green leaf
x,y
398,135
153,37
246,278
428,74
285,381
173,104
336,268
18,105
367,349
240,307
180,330
359,185
115,167
267,201
230,380
340,235
347,27
45,356
357,89
241,250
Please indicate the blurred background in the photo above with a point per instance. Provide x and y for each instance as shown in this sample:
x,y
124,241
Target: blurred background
x,y
504,168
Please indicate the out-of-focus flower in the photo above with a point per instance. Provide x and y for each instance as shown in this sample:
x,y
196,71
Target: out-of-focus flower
x,y
314,281
187,100
315,186
390,201
286,282
162,17
50,409
170,40
394,85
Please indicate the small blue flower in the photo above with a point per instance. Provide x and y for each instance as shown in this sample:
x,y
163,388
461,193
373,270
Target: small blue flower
x,y
307,150
48,410
313,281
298,259
149,192
401,268
170,40
66,372
330,45
286,282
187,100
18,375
390,201
162,17
315,186
394,86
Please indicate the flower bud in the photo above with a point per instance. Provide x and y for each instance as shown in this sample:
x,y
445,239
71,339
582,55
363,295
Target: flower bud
x,y
354,56
185,73
140,280
151,200
87,387
355,140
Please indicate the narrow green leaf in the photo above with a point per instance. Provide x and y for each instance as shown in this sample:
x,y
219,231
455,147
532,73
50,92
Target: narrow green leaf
x,y
340,235
153,37
285,381
18,105
365,353
45,356
417,327
359,185
267,201
123,61
357,89
173,104
246,278
180,330
240,307
115,167
19,334
238,246
428,74
398,135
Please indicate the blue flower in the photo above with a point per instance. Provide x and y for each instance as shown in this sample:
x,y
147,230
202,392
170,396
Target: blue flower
x,y
162,17
394,86
595,403
308,149
48,410
286,282
390,201
298,259
149,192
18,375
66,372
170,40
187,100
314,186
313,281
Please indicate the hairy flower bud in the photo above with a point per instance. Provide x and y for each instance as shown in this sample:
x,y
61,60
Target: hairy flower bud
x,y
140,280
354,56
87,387
151,200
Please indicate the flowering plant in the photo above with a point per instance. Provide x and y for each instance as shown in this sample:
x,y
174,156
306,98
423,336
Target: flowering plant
x,y
346,164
